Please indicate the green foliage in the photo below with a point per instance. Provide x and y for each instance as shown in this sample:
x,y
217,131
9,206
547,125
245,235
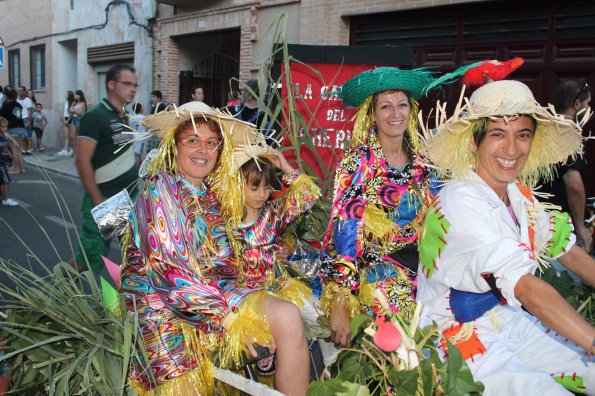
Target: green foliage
x,y
355,326
459,380
581,297
60,339
334,387
383,373
312,225
283,110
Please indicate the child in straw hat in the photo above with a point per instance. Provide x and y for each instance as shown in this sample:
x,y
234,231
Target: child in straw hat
x,y
180,272
263,223
484,237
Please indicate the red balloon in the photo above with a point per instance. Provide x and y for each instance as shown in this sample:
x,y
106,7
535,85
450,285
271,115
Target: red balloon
x,y
387,337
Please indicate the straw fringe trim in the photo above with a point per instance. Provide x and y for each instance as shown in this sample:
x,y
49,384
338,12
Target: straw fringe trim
x,y
450,148
333,293
251,324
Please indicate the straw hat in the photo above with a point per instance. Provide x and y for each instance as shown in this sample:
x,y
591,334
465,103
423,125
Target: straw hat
x,y
246,141
556,137
369,82
359,90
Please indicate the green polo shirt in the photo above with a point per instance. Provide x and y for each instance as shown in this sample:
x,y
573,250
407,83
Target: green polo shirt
x,y
114,170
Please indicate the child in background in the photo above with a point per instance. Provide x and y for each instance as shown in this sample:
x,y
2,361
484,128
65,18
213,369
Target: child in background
x,y
4,160
40,121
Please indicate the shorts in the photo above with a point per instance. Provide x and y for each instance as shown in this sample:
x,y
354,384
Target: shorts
x,y
38,133
18,132
76,121
139,148
67,120
28,133
4,176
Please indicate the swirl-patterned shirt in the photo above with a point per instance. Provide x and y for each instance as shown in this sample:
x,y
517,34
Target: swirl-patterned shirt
x,y
178,268
262,240
377,210
179,256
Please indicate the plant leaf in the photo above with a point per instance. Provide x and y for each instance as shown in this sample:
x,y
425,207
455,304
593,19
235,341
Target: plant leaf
x,y
460,381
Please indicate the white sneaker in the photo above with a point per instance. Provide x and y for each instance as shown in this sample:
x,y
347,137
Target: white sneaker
x,y
10,202
62,153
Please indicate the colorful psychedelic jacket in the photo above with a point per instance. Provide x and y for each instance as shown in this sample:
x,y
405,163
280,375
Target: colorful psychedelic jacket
x,y
262,240
377,210
178,270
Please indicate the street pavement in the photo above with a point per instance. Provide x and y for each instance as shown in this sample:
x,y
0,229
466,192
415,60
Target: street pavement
x,y
51,162
43,228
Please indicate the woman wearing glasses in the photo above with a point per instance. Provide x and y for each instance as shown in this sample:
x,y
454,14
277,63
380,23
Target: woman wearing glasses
x,y
179,271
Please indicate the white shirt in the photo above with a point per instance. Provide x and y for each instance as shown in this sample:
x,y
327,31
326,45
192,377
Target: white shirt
x,y
480,237
27,104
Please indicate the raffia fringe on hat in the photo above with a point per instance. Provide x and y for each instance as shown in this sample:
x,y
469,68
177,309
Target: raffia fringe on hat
x,y
450,147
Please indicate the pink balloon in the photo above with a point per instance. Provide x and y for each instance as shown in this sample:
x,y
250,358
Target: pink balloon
x,y
387,337
113,269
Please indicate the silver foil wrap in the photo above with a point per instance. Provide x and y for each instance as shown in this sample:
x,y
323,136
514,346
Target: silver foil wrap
x,y
142,170
112,214
304,263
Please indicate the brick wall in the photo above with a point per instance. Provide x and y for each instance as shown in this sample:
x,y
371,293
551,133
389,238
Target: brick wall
x,y
166,62
21,36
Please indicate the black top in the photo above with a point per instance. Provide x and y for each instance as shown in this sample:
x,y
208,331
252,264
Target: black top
x,y
557,187
160,107
12,112
253,116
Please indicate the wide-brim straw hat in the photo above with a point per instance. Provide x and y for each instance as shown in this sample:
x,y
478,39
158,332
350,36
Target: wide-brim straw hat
x,y
556,137
246,141
380,79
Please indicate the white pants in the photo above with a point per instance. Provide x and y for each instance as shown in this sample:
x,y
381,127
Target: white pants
x,y
310,313
523,357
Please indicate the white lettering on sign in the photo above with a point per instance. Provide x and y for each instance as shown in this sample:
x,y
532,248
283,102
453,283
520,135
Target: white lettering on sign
x,y
328,138
335,115
330,92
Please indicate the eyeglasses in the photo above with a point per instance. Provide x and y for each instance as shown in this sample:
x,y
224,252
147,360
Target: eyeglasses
x,y
129,84
195,142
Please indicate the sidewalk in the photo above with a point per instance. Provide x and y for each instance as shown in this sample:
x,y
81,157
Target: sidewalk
x,y
51,162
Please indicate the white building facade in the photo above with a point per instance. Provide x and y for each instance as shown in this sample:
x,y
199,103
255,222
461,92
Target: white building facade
x,y
53,46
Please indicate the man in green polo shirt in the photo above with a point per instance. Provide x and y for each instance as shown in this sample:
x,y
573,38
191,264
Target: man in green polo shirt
x,y
104,171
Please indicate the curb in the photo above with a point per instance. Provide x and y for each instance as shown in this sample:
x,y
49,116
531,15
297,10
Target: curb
x,y
60,167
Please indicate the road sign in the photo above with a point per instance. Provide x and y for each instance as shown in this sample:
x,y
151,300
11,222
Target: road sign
x,y
1,58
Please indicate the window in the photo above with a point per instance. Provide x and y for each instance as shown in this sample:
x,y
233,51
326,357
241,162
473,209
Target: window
x,y
38,67
14,68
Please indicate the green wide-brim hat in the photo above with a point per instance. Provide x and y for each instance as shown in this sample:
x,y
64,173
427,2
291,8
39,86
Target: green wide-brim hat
x,y
380,79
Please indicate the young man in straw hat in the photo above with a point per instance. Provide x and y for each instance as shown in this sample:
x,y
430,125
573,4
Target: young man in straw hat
x,y
484,237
